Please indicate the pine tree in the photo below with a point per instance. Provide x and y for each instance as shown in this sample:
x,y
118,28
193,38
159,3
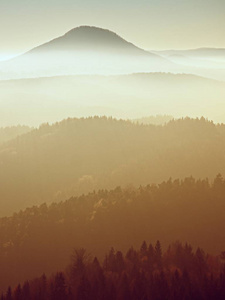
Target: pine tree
x,y
26,291
84,289
143,249
18,293
9,294
158,254
59,288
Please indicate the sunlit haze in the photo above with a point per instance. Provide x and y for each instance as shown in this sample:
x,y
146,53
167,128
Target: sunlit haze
x,y
112,150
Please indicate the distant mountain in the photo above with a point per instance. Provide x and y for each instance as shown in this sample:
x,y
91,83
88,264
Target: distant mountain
x,y
206,62
212,58
83,50
200,52
91,39
93,50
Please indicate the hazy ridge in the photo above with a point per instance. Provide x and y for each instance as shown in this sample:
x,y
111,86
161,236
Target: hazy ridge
x,y
40,100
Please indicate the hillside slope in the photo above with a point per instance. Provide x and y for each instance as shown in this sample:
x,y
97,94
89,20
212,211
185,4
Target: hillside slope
x,y
76,156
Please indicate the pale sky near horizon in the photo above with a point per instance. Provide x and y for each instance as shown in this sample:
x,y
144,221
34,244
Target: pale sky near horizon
x,y
150,24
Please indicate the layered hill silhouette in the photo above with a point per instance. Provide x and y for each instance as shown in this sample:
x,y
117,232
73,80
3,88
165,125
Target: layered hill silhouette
x,y
207,62
207,53
40,100
93,50
77,156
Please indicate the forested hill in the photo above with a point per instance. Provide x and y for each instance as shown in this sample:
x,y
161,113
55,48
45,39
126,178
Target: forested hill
x,y
77,156
41,239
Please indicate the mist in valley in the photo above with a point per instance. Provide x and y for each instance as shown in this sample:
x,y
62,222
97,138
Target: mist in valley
x,y
40,100
92,71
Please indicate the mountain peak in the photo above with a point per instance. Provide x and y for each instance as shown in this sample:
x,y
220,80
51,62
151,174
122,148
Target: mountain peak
x,y
96,36
90,38
87,28
88,49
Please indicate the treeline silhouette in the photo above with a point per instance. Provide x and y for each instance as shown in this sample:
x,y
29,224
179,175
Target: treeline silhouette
x,y
147,274
154,120
9,133
78,156
40,239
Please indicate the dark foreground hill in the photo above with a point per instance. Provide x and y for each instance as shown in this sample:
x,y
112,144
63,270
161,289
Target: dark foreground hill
x,y
77,156
148,273
41,239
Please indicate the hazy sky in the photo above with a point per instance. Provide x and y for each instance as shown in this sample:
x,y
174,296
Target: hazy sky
x,y
150,24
